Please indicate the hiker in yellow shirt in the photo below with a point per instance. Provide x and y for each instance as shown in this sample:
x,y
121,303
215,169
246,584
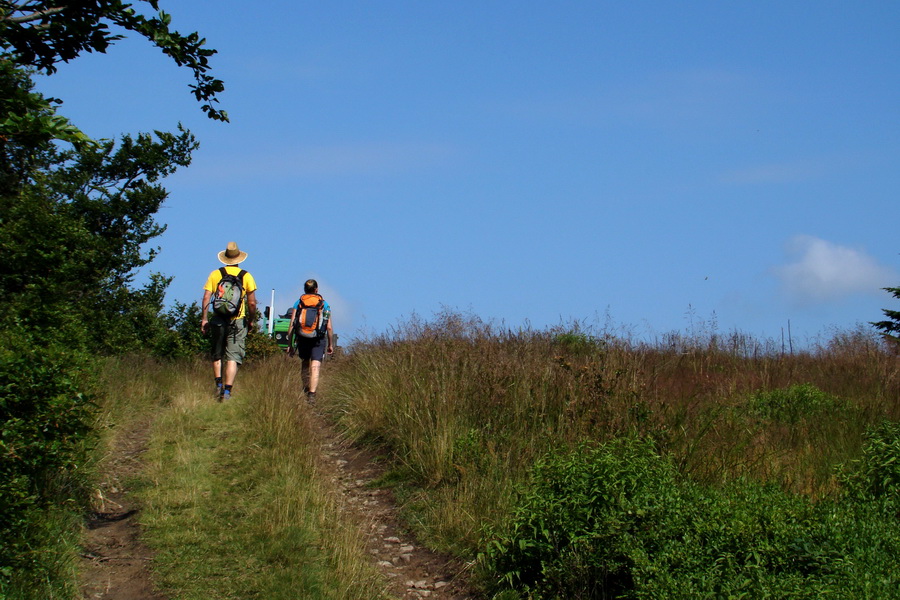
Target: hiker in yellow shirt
x,y
230,295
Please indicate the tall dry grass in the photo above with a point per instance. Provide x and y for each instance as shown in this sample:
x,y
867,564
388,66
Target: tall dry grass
x,y
465,407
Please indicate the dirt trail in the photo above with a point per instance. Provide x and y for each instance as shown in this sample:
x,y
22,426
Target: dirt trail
x,y
412,570
116,562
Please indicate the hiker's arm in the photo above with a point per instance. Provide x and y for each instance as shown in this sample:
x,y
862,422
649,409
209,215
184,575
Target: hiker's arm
x,y
330,333
251,309
290,333
204,307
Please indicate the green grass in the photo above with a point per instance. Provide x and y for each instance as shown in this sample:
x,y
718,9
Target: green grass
x,y
54,553
234,504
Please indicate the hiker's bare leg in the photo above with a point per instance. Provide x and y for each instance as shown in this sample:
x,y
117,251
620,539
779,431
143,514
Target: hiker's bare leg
x,y
230,372
217,368
314,367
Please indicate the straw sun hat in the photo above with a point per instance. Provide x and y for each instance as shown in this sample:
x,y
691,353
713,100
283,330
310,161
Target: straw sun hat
x,y
232,255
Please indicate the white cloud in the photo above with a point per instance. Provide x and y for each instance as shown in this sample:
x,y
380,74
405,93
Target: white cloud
x,y
821,271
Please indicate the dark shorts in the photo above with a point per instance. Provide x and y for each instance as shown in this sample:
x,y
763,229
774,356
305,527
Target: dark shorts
x,y
312,348
229,339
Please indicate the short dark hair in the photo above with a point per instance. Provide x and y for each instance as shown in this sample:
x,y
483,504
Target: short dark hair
x,y
311,286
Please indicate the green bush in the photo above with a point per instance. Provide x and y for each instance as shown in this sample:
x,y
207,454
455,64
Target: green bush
x,y
877,473
573,533
261,345
44,429
580,344
793,404
618,521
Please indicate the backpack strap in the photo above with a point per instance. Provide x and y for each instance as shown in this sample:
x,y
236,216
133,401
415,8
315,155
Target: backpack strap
x,y
240,275
296,316
245,308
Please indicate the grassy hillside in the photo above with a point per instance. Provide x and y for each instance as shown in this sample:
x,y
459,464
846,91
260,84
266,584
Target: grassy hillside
x,y
556,464
574,465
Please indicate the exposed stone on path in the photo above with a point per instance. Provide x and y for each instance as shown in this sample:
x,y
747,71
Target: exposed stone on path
x,y
413,571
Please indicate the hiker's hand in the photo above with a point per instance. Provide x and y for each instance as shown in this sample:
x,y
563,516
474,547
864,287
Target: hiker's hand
x,y
330,349
291,352
204,325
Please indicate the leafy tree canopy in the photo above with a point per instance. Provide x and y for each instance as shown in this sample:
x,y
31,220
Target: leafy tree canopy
x,y
42,33
74,223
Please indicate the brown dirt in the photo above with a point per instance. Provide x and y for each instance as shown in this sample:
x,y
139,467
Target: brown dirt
x,y
116,562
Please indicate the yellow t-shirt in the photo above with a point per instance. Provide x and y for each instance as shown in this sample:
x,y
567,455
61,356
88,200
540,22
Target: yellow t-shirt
x,y
212,282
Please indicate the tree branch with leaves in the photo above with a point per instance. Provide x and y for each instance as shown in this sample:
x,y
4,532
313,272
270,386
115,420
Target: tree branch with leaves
x,y
43,33
890,328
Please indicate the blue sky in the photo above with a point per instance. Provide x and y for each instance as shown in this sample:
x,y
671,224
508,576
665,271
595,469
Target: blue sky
x,y
654,165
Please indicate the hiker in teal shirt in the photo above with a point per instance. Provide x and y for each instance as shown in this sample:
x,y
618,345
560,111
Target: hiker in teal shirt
x,y
310,335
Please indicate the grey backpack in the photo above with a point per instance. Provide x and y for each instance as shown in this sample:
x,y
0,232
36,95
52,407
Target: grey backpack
x,y
229,295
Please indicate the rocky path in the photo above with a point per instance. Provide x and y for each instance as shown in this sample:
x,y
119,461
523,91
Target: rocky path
x,y
413,571
116,563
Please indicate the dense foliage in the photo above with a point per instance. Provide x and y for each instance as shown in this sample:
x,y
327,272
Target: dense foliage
x,y
617,521
76,218
44,417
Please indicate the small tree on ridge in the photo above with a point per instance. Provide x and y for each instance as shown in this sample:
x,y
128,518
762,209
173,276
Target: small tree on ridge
x,y
890,329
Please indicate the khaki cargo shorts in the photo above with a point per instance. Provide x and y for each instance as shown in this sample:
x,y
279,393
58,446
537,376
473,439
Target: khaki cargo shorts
x,y
229,339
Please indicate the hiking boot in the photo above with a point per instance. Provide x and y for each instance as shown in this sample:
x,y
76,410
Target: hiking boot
x,y
226,395
311,397
219,389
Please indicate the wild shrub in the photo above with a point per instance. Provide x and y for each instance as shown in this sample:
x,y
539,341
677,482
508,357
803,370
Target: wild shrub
x,y
44,430
260,345
183,337
572,532
580,344
877,472
793,403
618,521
